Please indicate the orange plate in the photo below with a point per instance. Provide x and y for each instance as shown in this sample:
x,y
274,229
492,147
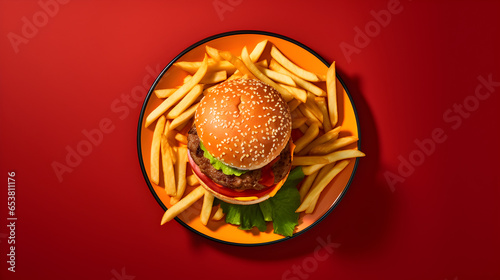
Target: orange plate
x,y
234,42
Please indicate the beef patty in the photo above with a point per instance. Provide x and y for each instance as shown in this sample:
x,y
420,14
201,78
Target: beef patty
x,y
249,180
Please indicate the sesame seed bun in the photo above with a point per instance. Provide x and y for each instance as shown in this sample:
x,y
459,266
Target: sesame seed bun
x,y
244,123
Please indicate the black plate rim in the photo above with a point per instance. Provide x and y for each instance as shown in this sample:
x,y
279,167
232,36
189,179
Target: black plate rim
x,y
201,42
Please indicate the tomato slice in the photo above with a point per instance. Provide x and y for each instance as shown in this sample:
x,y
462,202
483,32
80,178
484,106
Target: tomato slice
x,y
267,179
267,175
223,190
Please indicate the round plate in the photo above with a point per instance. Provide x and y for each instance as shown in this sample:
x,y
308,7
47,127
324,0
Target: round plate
x,y
234,41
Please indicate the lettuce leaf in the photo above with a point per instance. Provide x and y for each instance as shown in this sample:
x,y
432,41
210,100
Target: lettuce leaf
x,y
267,210
284,204
280,209
245,216
219,165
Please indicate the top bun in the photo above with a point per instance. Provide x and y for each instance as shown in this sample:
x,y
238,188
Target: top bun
x,y
244,123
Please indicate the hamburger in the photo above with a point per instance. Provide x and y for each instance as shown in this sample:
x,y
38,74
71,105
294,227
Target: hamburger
x,y
240,145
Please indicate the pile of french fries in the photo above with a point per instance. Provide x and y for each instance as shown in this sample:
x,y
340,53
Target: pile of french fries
x,y
312,98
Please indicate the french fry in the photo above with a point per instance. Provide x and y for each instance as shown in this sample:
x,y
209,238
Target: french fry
x,y
263,64
254,55
213,53
242,68
312,205
214,77
332,134
298,93
192,180
184,117
185,102
238,74
321,184
333,145
171,141
180,93
219,214
183,204
292,67
188,123
257,50
310,169
306,185
167,134
307,170
168,160
206,208
329,158
323,171
309,115
155,150
321,77
287,96
313,107
256,72
297,114
210,77
298,122
184,130
274,65
293,104
277,77
168,166
303,128
213,65
307,138
309,160
181,138
331,91
180,172
327,125
164,93
319,174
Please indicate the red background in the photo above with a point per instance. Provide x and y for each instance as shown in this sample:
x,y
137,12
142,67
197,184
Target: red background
x,y
440,221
